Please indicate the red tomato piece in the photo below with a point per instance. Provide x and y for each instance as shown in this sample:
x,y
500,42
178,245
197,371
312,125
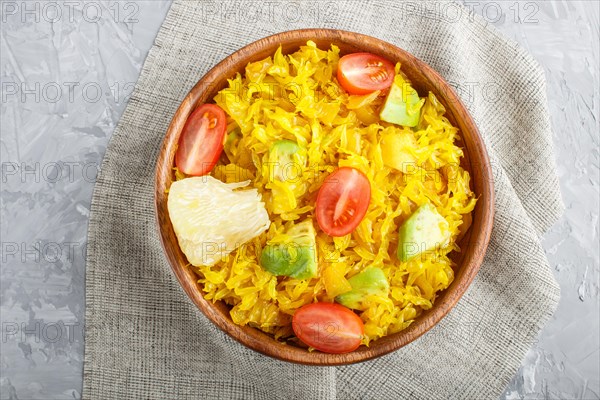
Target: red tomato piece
x,y
201,140
363,73
328,327
343,201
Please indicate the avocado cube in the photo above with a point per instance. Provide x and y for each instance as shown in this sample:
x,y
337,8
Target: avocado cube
x,y
423,231
297,257
371,281
402,105
287,159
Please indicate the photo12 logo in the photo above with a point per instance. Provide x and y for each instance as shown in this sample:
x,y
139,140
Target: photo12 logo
x,y
70,92
49,172
52,11
41,332
290,12
519,12
41,252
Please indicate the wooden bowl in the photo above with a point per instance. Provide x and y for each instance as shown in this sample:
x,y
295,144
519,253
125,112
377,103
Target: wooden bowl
x,y
424,79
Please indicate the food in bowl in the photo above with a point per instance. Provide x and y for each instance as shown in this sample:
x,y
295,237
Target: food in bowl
x,y
320,197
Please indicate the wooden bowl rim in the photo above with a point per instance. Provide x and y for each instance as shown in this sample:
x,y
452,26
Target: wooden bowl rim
x,y
265,343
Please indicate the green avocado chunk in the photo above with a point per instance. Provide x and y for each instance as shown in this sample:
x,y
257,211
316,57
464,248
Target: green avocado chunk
x,y
297,257
287,159
402,105
423,231
371,281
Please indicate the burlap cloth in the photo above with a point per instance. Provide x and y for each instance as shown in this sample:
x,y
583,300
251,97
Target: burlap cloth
x,y
145,339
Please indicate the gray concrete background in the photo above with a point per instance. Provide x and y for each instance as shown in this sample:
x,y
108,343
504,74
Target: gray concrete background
x,y
67,70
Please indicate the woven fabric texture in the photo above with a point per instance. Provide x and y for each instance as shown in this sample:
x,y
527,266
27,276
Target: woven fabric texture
x,y
145,339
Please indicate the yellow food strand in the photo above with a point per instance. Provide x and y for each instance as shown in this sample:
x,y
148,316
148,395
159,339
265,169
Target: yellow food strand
x,y
297,97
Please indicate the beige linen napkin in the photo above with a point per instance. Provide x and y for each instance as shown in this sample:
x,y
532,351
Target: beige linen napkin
x,y
145,339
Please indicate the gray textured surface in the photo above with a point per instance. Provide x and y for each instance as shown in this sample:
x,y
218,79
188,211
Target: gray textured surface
x,y
54,137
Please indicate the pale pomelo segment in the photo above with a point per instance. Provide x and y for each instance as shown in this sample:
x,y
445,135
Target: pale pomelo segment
x,y
211,218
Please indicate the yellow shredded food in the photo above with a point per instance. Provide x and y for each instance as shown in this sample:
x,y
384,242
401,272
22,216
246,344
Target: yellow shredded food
x,y
297,97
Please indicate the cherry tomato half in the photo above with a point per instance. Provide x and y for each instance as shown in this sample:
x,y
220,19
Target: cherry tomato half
x,y
201,141
328,327
363,73
343,201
